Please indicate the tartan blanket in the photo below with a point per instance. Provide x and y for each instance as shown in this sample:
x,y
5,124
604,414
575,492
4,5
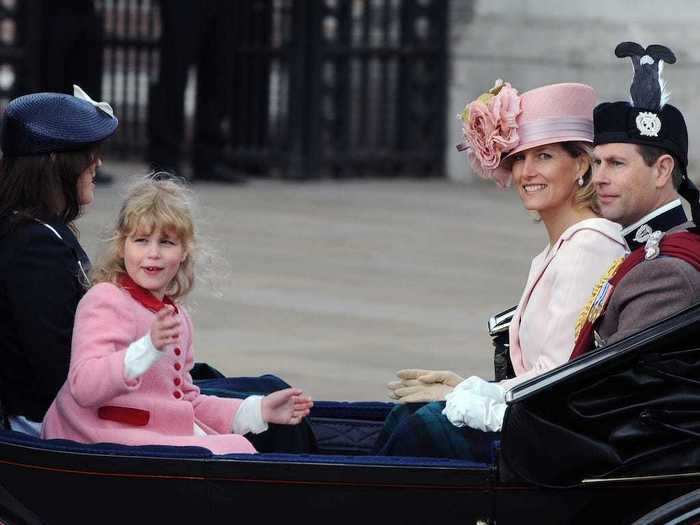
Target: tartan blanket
x,y
420,430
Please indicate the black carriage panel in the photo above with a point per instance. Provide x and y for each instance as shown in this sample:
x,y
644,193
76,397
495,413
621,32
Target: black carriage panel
x,y
626,410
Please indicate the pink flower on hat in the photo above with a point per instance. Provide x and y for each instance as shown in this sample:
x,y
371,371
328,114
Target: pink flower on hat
x,y
490,130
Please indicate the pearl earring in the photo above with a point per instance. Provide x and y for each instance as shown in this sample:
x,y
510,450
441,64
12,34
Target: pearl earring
x,y
580,181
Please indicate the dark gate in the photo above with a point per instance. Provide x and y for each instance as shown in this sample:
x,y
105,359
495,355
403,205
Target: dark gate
x,y
19,48
356,87
373,82
339,88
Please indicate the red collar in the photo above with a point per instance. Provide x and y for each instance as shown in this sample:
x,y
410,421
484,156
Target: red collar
x,y
143,296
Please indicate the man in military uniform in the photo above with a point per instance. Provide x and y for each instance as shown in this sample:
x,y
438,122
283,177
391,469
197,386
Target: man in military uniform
x,y
632,413
640,168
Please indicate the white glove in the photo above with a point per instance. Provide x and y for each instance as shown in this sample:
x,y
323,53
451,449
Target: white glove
x,y
478,386
465,408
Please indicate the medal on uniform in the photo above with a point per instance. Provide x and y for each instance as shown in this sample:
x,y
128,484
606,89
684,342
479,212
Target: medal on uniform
x,y
600,301
599,298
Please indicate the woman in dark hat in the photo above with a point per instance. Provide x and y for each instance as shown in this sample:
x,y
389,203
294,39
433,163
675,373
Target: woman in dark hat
x,y
51,149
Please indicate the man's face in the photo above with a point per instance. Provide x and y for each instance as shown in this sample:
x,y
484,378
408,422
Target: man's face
x,y
625,185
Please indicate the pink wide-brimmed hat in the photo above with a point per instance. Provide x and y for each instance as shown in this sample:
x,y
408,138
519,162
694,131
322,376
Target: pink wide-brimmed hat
x,y
501,123
555,113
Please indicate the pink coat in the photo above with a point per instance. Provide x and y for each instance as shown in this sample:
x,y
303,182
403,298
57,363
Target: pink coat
x,y
97,404
560,283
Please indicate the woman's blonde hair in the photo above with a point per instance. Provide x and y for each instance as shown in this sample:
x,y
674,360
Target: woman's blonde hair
x,y
585,196
156,202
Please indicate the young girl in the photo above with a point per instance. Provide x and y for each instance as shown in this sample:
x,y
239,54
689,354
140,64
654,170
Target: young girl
x,y
129,379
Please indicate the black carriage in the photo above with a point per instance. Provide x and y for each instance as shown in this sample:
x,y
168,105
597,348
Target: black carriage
x,y
606,438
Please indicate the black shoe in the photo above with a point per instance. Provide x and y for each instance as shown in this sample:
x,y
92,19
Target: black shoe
x,y
102,178
217,172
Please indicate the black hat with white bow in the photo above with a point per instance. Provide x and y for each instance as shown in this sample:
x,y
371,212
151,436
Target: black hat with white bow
x,y
43,123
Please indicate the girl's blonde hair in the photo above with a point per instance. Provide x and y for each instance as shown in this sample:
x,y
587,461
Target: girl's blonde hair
x,y
151,204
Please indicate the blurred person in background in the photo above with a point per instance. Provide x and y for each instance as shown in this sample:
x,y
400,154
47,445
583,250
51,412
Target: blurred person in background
x,y
71,53
193,33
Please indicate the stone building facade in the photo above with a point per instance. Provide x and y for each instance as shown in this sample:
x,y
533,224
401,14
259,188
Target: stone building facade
x,y
530,43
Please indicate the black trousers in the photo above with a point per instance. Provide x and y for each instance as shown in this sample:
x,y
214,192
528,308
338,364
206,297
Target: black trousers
x,y
193,34
277,438
72,47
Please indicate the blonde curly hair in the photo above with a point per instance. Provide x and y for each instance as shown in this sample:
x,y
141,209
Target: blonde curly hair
x,y
152,203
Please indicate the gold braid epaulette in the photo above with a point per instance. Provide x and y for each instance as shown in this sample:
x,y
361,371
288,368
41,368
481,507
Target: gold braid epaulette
x,y
583,316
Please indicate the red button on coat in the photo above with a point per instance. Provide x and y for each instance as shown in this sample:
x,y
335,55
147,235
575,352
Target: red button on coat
x,y
177,351
177,381
177,394
177,366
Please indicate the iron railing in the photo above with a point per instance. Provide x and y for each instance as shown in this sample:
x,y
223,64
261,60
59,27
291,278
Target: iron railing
x,y
338,88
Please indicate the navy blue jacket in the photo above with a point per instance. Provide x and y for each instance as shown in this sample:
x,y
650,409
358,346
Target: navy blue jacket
x,y
41,283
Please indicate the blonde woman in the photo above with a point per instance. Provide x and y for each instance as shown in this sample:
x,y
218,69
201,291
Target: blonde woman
x,y
539,142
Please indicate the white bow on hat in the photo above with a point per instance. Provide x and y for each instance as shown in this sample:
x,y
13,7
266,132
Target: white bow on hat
x,y
104,106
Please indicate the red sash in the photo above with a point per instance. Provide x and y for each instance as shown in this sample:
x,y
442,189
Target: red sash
x,y
682,245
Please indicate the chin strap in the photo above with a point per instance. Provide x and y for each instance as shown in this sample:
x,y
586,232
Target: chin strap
x,y
690,192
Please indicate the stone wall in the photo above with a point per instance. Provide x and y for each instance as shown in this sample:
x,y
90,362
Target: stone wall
x,y
530,43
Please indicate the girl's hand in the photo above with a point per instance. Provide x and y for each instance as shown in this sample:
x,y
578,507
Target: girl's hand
x,y
165,329
286,407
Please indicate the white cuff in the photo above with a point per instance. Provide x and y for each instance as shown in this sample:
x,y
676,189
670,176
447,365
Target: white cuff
x,y
140,356
197,430
249,416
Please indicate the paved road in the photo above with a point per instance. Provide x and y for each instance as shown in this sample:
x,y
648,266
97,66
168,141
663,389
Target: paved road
x,y
335,285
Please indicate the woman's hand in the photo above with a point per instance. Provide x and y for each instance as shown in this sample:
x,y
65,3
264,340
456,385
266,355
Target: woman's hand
x,y
422,386
165,329
431,376
286,407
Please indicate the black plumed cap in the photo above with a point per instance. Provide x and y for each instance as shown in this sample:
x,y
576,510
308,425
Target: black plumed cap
x,y
622,122
43,123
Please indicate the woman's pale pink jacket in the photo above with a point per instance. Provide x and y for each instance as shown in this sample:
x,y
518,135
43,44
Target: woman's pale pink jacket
x,y
560,283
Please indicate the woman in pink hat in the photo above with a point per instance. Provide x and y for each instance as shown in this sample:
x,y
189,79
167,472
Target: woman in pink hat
x,y
538,142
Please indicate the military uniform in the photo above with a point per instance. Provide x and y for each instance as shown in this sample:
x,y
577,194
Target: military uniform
x,y
655,288
659,284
